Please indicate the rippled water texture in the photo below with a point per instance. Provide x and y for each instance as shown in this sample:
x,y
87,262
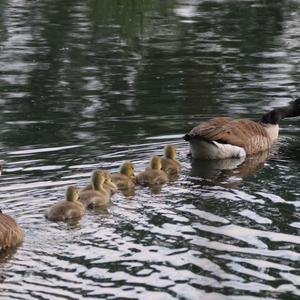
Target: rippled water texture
x,y
87,84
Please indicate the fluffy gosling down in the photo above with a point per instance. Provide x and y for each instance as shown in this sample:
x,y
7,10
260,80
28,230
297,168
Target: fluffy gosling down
x,y
223,137
70,208
169,163
97,196
11,234
108,185
125,179
153,175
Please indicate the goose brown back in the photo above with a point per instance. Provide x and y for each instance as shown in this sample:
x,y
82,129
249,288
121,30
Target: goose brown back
x,y
245,133
11,233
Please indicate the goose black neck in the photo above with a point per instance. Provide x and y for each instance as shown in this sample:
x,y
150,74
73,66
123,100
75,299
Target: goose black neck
x,y
277,114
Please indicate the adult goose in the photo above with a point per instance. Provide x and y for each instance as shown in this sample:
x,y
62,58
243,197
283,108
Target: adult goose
x,y
11,233
224,137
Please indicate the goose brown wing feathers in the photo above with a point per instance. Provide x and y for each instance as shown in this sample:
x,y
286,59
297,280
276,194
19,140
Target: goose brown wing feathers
x,y
244,133
209,126
11,233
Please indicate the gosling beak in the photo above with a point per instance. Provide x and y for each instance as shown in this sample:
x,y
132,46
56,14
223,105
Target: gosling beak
x,y
111,185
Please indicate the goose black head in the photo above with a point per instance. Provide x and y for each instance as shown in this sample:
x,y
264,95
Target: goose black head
x,y
290,111
294,110
273,117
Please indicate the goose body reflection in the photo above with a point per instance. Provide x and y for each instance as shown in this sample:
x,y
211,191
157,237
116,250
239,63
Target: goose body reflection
x,y
228,172
223,137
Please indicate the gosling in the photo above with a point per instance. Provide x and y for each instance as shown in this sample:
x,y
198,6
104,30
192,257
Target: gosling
x,y
108,185
97,196
170,165
70,208
125,179
153,175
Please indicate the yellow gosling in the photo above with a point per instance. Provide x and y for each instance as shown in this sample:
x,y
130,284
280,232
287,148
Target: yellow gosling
x,y
169,162
153,175
70,208
108,185
97,196
125,179
11,234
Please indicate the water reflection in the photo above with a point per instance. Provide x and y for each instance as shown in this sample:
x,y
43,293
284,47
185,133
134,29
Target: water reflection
x,y
228,172
88,85
7,254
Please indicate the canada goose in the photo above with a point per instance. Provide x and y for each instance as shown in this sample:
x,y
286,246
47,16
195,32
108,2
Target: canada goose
x,y
97,196
169,163
108,185
153,174
224,137
11,233
70,208
125,179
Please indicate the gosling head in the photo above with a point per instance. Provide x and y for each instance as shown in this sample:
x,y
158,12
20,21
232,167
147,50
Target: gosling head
x,y
155,163
72,193
98,179
127,169
105,173
170,152
108,180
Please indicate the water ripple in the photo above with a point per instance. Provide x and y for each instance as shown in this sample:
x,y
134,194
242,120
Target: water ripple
x,y
89,85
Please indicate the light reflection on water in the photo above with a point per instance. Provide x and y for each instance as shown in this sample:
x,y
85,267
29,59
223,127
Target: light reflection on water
x,y
84,87
214,237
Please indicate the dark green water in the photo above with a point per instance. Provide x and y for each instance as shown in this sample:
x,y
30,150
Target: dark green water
x,y
87,84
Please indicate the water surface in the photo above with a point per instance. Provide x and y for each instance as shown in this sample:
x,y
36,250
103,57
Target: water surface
x,y
90,84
